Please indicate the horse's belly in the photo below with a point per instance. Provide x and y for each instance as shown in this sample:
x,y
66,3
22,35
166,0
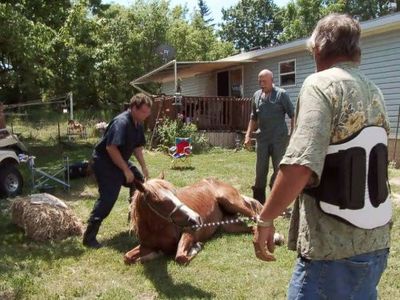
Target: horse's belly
x,y
207,232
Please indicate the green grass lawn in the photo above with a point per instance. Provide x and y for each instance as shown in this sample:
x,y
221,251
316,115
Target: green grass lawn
x,y
225,269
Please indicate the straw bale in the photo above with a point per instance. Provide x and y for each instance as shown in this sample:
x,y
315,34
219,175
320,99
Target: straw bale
x,y
45,217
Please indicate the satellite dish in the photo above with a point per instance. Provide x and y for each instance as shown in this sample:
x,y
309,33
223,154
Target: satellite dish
x,y
166,52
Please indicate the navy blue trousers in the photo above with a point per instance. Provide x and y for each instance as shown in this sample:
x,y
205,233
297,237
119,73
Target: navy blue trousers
x,y
110,179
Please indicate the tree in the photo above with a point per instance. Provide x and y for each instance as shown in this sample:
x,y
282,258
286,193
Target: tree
x,y
300,17
368,9
205,12
193,40
50,13
251,23
93,50
26,51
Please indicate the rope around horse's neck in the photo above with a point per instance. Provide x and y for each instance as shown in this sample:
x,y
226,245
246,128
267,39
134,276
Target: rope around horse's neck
x,y
232,221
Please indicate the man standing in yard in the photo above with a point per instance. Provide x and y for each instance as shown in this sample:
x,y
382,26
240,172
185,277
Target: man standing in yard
x,y
123,137
269,107
336,167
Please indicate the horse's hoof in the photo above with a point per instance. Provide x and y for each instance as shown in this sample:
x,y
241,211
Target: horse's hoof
x,y
182,260
279,239
127,260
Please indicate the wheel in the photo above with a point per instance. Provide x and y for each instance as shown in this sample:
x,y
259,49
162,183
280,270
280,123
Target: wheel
x,y
11,181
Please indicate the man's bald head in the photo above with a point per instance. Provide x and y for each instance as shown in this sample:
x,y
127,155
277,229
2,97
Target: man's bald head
x,y
266,72
265,80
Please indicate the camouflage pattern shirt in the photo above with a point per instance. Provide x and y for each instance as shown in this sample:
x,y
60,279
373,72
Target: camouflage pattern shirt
x,y
332,105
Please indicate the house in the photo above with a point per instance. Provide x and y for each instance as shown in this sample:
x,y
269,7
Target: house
x,y
291,63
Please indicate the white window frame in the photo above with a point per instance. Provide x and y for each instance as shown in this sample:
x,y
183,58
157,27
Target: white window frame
x,y
287,73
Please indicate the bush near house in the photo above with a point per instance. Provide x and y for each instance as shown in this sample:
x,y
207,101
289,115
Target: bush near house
x,y
169,129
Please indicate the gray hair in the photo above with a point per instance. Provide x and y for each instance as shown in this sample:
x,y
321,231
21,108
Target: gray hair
x,y
336,35
266,72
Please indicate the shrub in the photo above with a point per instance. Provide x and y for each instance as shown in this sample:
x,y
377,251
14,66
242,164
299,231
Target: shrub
x,y
168,130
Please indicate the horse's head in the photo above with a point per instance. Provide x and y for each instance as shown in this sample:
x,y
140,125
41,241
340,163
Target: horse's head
x,y
160,197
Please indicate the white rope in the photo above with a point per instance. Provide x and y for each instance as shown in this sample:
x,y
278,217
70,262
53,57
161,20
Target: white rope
x,y
232,221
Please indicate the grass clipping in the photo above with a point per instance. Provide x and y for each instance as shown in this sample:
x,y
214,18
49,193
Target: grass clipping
x,y
45,217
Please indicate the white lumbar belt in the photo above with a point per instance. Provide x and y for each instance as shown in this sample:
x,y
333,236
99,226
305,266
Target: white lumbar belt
x,y
368,217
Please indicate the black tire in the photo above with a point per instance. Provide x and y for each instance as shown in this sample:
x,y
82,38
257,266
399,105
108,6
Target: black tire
x,y
11,181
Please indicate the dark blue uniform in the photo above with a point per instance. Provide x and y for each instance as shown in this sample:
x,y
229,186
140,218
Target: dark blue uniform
x,y
127,136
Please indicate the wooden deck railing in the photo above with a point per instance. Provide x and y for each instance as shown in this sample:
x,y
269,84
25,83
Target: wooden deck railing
x,y
208,113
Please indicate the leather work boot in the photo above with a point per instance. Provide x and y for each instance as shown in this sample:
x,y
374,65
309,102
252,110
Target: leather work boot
x,y
89,237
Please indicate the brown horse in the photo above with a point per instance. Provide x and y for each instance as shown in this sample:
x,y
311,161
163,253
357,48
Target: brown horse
x,y
162,217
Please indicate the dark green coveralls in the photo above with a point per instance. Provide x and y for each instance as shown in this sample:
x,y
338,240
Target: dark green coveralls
x,y
271,136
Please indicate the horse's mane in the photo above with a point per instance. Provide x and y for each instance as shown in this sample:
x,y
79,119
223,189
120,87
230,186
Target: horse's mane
x,y
152,186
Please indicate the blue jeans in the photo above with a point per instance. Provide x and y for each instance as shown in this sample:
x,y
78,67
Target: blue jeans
x,y
355,277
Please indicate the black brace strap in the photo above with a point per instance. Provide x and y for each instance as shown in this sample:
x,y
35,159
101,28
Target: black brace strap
x,y
344,178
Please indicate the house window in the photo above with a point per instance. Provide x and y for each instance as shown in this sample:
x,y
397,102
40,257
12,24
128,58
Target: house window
x,y
235,78
287,73
230,83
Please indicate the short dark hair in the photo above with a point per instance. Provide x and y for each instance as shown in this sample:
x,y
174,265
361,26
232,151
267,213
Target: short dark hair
x,y
139,100
336,35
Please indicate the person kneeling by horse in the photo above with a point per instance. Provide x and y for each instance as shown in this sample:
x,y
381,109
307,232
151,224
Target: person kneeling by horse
x,y
123,137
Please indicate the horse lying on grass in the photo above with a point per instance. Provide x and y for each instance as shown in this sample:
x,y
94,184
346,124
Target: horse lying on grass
x,y
163,217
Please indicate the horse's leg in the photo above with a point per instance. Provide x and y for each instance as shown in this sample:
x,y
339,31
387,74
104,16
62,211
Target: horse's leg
x,y
233,202
253,204
140,254
187,248
246,206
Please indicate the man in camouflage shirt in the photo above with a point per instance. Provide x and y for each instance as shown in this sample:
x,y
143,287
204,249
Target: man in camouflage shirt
x,y
336,259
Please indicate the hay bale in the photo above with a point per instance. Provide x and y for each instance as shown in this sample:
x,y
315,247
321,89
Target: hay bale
x,y
45,217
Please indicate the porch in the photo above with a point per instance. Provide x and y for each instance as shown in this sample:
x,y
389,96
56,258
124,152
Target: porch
x,y
221,119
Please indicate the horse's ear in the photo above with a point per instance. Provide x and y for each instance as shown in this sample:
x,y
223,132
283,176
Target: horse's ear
x,y
161,175
139,185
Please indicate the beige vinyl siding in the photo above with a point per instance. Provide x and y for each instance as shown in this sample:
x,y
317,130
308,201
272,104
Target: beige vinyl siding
x,y
200,85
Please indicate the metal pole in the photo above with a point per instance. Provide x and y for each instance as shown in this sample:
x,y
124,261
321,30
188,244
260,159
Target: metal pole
x,y
176,75
397,131
59,131
67,169
31,164
140,89
144,77
71,106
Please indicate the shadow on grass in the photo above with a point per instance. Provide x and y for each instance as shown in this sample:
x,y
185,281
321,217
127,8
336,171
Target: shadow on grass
x,y
157,272
122,242
182,168
17,251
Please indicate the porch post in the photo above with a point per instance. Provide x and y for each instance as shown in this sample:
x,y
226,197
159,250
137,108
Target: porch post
x,y
176,75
